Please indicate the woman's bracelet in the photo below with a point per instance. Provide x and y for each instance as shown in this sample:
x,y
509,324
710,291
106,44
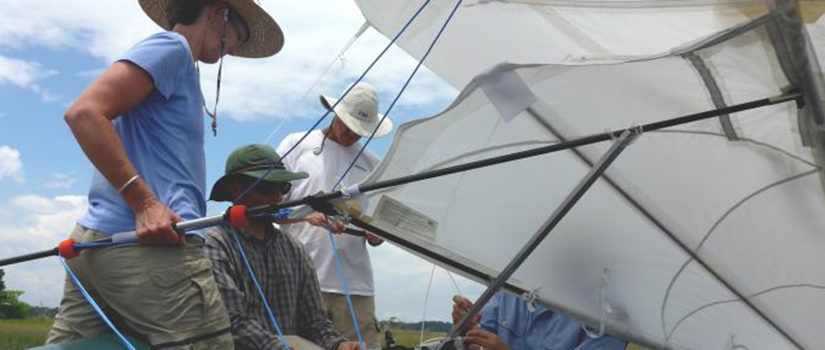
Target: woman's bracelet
x,y
133,179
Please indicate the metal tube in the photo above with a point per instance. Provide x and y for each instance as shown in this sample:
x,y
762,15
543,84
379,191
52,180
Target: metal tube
x,y
200,222
28,257
131,236
476,274
568,203
583,141
124,237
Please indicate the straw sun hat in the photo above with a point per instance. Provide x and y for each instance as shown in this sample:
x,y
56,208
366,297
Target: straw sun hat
x,y
265,36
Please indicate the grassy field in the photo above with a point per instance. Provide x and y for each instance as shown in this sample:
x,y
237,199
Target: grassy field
x,y
409,337
23,334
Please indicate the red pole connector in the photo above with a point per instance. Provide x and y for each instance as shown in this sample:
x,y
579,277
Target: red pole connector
x,y
66,249
237,216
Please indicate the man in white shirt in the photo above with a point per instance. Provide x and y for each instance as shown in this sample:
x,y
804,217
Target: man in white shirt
x,y
325,155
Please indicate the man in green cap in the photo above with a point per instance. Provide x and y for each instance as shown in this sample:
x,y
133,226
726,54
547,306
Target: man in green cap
x,y
283,269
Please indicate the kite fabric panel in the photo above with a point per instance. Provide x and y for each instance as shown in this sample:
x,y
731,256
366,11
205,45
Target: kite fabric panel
x,y
741,191
485,33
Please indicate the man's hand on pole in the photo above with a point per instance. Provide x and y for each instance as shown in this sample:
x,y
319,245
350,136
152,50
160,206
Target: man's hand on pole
x,y
322,220
461,306
478,339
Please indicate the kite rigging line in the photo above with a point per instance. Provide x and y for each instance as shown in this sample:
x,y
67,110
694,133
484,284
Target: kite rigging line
x,y
324,116
235,212
94,306
238,213
335,253
335,250
339,56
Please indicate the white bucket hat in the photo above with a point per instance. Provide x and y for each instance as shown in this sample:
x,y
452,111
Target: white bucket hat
x,y
359,111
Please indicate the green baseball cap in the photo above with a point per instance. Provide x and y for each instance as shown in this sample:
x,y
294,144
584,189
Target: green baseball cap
x,y
253,161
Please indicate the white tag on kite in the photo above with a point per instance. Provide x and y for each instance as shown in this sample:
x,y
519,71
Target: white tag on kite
x,y
393,214
505,89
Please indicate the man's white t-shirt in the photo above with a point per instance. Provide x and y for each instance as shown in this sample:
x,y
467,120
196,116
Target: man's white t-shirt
x,y
324,170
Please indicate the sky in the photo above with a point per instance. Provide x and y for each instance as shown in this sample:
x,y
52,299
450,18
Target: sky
x,y
50,50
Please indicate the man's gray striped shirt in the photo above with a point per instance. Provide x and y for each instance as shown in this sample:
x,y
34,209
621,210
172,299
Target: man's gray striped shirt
x,y
286,275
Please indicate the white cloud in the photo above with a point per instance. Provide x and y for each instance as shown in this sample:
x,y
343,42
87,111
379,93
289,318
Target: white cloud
x,y
33,223
91,73
24,74
272,88
401,280
46,95
11,166
60,181
100,28
252,89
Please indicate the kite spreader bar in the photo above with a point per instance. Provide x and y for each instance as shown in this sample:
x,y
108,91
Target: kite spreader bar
x,y
235,216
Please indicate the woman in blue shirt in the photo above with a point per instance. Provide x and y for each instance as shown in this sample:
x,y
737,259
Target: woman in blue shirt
x,y
141,125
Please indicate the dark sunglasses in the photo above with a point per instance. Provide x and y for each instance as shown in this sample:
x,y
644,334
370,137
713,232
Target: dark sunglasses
x,y
268,188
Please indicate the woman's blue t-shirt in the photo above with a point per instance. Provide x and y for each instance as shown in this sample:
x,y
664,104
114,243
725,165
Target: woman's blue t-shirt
x,y
162,136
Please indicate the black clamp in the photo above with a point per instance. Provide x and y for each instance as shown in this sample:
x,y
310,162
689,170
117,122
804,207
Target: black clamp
x,y
800,100
321,205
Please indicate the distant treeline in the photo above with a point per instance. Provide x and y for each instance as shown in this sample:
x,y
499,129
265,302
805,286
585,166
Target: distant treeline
x,y
12,307
42,311
431,326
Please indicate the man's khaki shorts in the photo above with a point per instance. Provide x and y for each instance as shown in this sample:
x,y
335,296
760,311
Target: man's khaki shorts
x,y
338,312
165,295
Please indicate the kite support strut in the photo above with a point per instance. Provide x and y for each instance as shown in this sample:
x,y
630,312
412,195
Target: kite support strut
x,y
131,237
561,146
594,174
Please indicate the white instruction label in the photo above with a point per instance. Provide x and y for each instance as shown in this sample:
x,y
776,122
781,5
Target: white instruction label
x,y
400,218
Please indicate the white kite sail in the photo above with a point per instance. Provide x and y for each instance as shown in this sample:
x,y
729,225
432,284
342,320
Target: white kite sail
x,y
485,33
741,192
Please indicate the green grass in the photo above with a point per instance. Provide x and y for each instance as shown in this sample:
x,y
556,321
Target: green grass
x,y
410,338
23,334
27,333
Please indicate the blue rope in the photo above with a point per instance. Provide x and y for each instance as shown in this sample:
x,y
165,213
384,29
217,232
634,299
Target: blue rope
x,y
314,126
99,244
94,305
258,180
260,290
339,269
397,96
324,116
338,264
280,215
